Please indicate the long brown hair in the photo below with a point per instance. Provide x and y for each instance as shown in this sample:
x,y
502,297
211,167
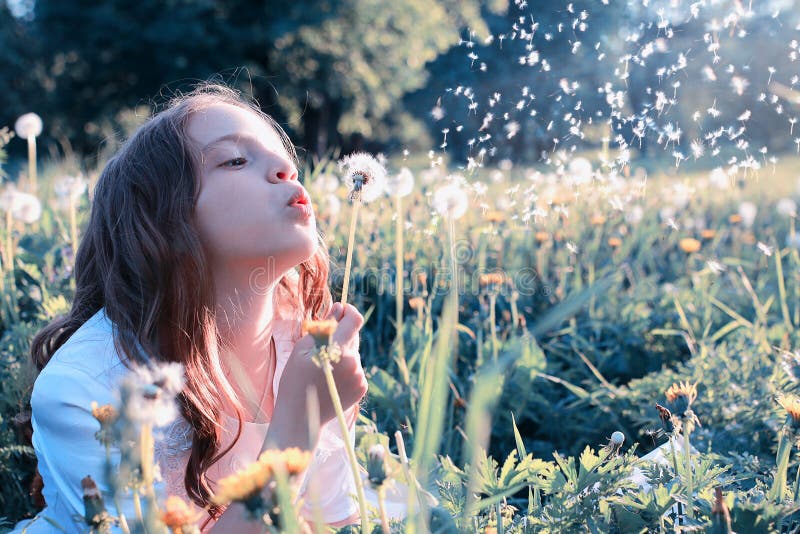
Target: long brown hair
x,y
142,259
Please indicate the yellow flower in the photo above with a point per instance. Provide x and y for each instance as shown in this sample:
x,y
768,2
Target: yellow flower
x,y
177,514
494,216
244,483
293,460
689,245
681,396
416,303
748,238
791,404
708,234
321,331
105,414
491,279
682,389
614,242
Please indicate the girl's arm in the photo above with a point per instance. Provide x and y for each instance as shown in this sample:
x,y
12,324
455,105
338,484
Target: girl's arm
x,y
67,450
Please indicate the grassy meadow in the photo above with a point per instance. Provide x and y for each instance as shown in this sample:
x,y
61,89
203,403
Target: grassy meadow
x,y
526,396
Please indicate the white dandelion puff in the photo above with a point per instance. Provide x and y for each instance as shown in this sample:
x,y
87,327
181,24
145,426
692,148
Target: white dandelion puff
x,y
400,184
450,200
364,176
23,206
28,125
786,207
148,393
748,211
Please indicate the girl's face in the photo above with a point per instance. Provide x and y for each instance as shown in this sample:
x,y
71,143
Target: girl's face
x,y
250,208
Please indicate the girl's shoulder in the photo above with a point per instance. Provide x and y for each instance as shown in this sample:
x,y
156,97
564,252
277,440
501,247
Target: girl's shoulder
x,y
89,350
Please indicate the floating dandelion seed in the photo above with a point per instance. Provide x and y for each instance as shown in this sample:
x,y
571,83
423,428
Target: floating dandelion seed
x,y
765,249
715,266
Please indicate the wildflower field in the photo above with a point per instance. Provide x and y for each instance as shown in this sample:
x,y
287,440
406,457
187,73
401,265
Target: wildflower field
x,y
585,338
579,271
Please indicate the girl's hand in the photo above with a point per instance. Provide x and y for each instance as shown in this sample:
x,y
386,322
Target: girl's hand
x,y
301,372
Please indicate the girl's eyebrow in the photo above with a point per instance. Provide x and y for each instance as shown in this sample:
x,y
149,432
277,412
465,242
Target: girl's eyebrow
x,y
234,137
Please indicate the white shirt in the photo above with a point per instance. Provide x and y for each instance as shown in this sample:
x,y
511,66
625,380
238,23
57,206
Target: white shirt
x,y
87,368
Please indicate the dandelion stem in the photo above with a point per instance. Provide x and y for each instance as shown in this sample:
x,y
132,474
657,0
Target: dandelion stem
x,y
137,506
32,163
382,508
123,523
782,289
499,518
348,262
400,293
413,495
146,444
73,226
776,493
688,457
454,267
492,321
12,297
351,455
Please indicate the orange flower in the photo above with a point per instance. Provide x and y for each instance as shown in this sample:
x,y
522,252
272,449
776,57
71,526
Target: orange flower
x,y
177,514
494,216
684,390
416,303
735,218
294,460
708,233
541,236
243,484
614,242
748,238
791,404
105,414
491,279
689,245
321,331
597,220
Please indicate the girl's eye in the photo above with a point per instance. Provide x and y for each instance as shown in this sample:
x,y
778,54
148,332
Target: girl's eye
x,y
235,162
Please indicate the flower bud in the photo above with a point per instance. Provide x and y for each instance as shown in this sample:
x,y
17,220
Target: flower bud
x,y
376,465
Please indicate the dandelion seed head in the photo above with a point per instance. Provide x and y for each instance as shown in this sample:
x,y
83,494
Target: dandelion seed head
x,y
28,125
364,176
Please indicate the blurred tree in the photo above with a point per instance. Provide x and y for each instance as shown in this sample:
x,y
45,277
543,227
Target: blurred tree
x,y
332,68
347,74
17,50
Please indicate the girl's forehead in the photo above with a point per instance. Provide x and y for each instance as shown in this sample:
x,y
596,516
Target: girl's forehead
x,y
221,122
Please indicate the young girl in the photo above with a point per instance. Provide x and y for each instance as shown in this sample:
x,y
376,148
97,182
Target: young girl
x,y
202,249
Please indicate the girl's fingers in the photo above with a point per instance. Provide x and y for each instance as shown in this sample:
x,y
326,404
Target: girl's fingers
x,y
336,311
349,325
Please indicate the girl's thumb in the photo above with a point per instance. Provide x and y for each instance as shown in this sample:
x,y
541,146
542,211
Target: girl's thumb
x,y
350,323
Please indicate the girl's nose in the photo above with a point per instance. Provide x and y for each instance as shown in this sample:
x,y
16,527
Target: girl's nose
x,y
286,170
